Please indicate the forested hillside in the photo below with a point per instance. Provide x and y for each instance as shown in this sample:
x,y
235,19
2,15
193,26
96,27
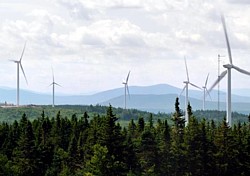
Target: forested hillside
x,y
33,112
100,146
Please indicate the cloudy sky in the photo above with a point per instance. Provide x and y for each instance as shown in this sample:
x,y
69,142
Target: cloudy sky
x,y
92,44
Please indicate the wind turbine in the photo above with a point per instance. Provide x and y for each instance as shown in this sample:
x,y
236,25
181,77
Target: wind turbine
x,y
19,64
53,88
126,89
205,91
228,72
186,96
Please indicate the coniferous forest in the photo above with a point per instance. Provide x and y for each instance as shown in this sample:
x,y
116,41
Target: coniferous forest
x,y
101,147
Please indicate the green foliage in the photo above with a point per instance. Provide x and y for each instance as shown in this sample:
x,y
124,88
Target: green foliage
x,y
96,144
98,164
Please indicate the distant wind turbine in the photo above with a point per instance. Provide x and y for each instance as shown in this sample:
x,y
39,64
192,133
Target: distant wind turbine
x,y
53,88
186,97
19,64
205,91
126,89
228,72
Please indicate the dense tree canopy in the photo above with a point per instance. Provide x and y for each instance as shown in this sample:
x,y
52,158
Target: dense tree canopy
x,y
100,146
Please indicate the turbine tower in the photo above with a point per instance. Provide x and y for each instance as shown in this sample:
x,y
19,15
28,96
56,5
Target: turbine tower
x,y
126,89
53,88
186,96
205,91
228,72
19,64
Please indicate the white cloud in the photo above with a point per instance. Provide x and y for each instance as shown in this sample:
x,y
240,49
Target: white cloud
x,y
95,40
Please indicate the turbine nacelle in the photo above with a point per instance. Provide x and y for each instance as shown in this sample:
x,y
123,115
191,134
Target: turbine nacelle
x,y
228,66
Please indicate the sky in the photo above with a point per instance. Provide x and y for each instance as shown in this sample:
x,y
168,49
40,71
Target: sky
x,y
92,44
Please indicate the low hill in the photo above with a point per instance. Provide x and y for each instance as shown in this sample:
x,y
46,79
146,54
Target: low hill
x,y
155,98
165,103
9,115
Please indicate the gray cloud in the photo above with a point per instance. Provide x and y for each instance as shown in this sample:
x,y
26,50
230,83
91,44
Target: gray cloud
x,y
131,41
89,39
239,1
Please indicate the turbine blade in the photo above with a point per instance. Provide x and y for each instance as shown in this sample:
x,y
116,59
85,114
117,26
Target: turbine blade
x,y
57,84
182,90
128,90
127,77
12,60
186,69
195,85
52,74
227,40
222,75
207,93
22,52
241,70
23,72
206,80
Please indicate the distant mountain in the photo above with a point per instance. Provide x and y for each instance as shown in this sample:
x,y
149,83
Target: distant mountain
x,y
155,98
165,103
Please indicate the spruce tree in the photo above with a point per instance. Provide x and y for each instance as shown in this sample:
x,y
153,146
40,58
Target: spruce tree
x,y
25,154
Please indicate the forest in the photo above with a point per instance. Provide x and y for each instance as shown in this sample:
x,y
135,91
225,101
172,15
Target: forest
x,y
100,146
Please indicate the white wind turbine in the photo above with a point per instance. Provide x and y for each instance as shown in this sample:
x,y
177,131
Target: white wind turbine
x,y
186,96
53,88
228,72
205,91
126,89
19,64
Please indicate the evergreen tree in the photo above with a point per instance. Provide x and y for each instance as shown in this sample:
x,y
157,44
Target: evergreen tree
x,y
177,152
151,121
141,124
112,138
99,164
148,154
164,143
25,154
194,147
189,110
225,155
72,151
132,128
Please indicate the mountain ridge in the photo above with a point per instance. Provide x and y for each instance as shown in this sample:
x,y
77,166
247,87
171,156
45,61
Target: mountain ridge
x,y
155,98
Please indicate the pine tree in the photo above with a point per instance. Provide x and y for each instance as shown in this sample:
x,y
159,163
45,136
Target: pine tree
x,y
225,155
148,154
72,151
163,141
151,121
132,128
25,154
98,164
194,147
177,152
141,124
112,138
